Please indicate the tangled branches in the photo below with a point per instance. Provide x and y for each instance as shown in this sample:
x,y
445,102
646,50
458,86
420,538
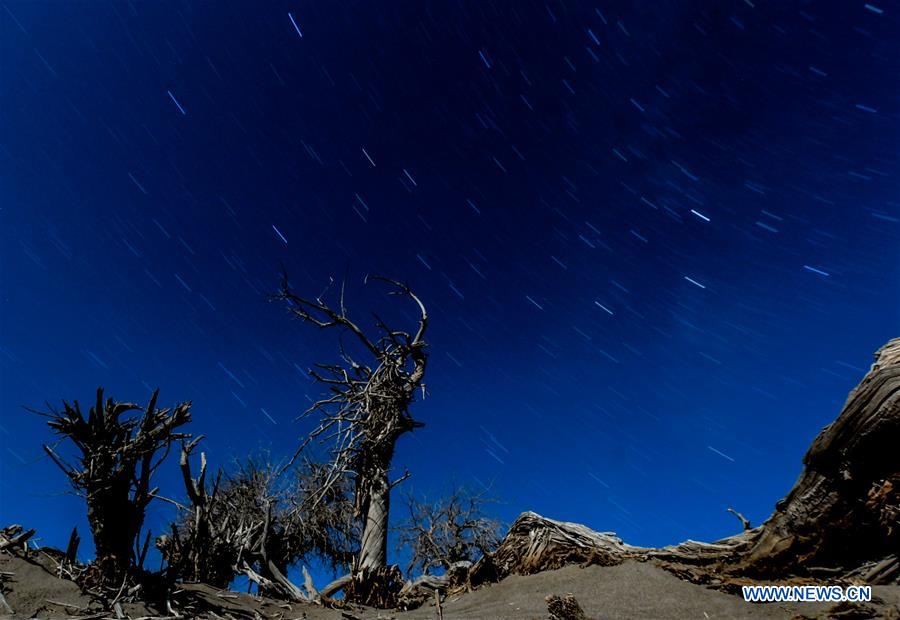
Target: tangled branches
x,y
118,456
259,521
365,413
443,533
367,409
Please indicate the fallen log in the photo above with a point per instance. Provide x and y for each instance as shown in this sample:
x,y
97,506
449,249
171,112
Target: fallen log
x,y
534,544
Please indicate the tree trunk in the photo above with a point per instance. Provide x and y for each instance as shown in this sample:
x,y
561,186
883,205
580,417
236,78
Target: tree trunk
x,y
114,525
373,547
373,582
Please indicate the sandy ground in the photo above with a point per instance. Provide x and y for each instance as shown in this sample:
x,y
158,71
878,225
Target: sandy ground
x,y
631,590
33,592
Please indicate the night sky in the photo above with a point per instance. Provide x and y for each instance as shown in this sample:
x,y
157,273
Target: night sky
x,y
658,242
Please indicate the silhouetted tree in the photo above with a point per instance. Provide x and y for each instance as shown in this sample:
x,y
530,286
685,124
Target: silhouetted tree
x,y
117,457
365,414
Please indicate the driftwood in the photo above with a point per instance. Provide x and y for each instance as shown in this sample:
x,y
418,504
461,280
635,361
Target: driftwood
x,y
334,587
840,519
744,520
197,600
418,591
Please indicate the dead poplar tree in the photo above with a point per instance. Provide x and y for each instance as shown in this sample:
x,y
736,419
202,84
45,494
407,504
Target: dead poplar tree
x,y
365,414
118,456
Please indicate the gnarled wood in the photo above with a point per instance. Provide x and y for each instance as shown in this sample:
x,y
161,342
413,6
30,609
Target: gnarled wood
x,y
840,519
363,416
536,544
564,608
827,519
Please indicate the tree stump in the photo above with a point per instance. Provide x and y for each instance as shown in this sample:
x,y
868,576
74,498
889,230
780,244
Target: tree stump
x,y
564,608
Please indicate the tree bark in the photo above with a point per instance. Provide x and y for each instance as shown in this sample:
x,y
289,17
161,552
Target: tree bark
x,y
839,512
373,547
534,544
373,582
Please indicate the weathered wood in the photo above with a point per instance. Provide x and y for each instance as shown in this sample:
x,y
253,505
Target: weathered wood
x,y
536,544
335,586
878,573
377,587
12,537
275,584
284,585
564,608
696,552
744,521
364,414
311,592
840,518
838,512
202,601
72,548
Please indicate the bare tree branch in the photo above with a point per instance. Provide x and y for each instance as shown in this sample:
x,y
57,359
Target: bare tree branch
x,y
442,533
363,414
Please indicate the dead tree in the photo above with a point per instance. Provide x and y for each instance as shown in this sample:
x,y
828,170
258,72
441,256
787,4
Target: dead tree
x,y
258,521
446,532
203,545
117,458
324,525
365,414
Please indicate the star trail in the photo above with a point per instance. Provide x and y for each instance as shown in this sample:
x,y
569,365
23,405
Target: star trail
x,y
658,242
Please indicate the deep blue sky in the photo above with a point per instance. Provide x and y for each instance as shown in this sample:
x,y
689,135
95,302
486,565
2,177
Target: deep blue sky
x,y
659,242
